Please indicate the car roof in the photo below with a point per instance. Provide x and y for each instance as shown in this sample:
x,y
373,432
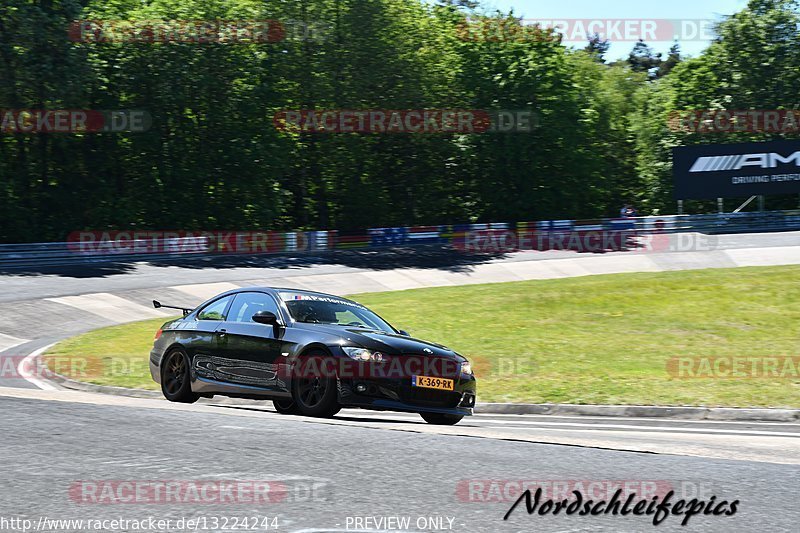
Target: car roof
x,y
271,290
285,289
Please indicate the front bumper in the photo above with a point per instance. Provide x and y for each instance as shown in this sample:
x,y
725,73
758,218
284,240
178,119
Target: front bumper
x,y
399,395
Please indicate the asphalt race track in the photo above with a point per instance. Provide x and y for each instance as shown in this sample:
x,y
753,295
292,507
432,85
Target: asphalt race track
x,y
366,464
70,455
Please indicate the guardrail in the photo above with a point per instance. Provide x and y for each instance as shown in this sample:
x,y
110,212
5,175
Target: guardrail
x,y
134,245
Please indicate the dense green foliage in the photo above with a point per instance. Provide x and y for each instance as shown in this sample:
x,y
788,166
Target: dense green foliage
x,y
213,158
753,64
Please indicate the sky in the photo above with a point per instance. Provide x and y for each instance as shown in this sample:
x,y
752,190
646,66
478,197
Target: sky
x,y
687,19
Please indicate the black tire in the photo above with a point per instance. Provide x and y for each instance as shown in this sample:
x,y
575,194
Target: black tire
x,y
286,406
316,393
175,383
439,419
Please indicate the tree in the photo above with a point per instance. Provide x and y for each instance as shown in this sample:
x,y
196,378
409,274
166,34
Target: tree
x,y
671,62
466,4
644,59
597,47
602,134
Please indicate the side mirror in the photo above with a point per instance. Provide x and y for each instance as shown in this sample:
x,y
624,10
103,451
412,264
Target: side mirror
x,y
404,333
266,317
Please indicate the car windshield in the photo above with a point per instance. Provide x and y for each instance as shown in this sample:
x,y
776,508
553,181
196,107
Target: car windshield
x,y
321,309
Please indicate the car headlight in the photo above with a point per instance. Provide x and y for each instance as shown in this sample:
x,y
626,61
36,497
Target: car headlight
x,y
466,368
362,354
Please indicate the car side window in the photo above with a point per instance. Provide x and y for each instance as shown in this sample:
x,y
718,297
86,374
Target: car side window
x,y
215,310
246,304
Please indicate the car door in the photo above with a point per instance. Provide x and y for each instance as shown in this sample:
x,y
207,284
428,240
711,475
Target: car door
x,y
201,332
250,351
202,341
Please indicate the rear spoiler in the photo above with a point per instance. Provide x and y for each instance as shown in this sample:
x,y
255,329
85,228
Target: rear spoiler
x,y
159,305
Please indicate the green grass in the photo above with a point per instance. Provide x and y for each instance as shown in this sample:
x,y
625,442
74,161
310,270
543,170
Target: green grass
x,y
116,355
597,339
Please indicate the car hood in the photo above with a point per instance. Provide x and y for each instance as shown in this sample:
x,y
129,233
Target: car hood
x,y
389,343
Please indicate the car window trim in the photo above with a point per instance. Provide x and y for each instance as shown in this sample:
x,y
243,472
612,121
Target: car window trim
x,y
268,295
232,296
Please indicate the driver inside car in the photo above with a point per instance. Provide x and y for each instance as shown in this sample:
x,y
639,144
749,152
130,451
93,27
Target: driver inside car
x,y
314,314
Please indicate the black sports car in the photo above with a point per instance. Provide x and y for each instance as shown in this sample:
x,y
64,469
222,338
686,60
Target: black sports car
x,y
311,354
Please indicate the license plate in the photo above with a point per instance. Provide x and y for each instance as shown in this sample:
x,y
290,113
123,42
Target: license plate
x,y
432,383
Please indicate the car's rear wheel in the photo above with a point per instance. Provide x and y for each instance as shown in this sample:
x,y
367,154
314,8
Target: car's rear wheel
x,y
286,406
315,390
175,382
440,419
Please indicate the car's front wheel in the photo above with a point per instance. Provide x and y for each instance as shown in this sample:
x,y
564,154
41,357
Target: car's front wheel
x,y
440,419
315,390
175,382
